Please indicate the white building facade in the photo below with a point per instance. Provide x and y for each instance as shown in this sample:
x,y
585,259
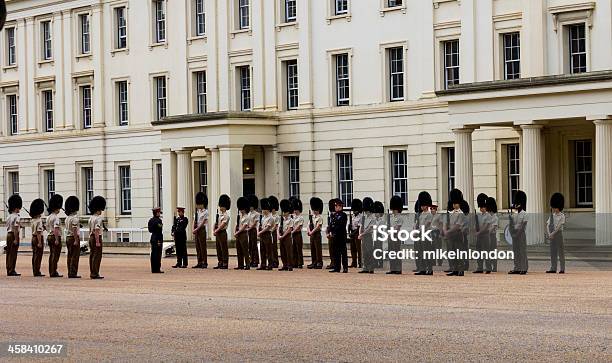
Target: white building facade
x,y
146,102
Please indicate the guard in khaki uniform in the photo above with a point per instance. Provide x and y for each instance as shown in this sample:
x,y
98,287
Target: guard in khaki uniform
x,y
199,229
482,230
253,227
491,264
424,265
241,234
284,236
95,224
365,236
453,230
554,233
296,234
330,237
220,232
437,226
274,205
315,224
13,234
354,226
37,208
396,204
54,238
73,237
517,229
265,235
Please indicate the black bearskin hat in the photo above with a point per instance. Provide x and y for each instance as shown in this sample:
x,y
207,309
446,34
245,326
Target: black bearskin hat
x,y
72,205
285,206
296,204
37,207
331,205
98,203
465,207
273,202
55,202
455,196
396,203
491,205
253,201
225,201
265,204
378,207
15,202
368,204
520,198
557,201
243,204
481,200
316,204
425,199
356,206
201,199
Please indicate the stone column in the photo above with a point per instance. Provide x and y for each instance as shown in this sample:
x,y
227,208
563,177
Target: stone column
x,y
464,166
533,181
97,50
169,187
213,185
230,174
184,187
271,167
603,181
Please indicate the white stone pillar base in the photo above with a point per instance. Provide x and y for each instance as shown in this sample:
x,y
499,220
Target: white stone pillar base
x,y
533,182
603,182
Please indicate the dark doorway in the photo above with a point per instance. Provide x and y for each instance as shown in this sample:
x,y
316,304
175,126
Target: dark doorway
x,y
248,187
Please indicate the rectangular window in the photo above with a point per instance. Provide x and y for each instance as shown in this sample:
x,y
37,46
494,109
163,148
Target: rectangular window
x,y
125,184
160,97
399,175
293,163
47,101
11,101
450,168
514,171
84,25
200,18
577,48
13,177
342,79
292,84
396,73
121,19
290,11
203,177
86,106
512,55
394,3
245,88
47,51
345,178
584,173
200,78
340,7
122,103
160,185
243,14
11,55
49,183
88,187
451,62
160,21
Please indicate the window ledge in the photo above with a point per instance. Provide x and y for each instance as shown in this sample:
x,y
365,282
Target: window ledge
x,y
157,45
280,26
346,16
125,50
196,38
6,68
241,31
83,56
47,61
401,8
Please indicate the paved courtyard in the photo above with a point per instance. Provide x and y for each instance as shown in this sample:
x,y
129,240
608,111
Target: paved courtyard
x,y
212,315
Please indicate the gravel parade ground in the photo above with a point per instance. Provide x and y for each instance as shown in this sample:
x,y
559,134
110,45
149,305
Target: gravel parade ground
x,y
311,315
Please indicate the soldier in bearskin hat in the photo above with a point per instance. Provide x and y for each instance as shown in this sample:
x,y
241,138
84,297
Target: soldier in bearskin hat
x,y
13,235
241,234
284,236
365,235
379,211
481,230
265,235
314,232
453,230
354,226
491,264
396,205
424,266
73,236
253,227
330,238
298,242
37,208
554,232
517,230
54,238
199,229
276,218
220,232
155,227
96,206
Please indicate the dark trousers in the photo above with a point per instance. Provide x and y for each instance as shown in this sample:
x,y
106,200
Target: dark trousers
x,y
156,256
200,242
74,253
491,264
367,246
286,251
274,249
519,247
482,245
242,249
222,250
298,249
356,258
11,253
316,249
557,250
395,264
331,250
95,256
340,253
464,246
265,244
180,244
419,262
253,252
55,250
37,255
437,245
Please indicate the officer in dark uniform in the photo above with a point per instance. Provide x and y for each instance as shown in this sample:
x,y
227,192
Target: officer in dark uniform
x,y
157,240
179,232
330,237
338,232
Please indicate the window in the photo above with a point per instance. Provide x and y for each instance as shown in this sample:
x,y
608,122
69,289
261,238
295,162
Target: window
x,y
123,237
160,97
202,177
577,48
125,185
47,101
160,21
450,168
245,88
122,103
13,177
88,187
345,178
121,23
86,106
583,164
47,51
49,183
514,171
11,101
451,62
399,175
11,54
243,14
159,184
84,25
292,84
340,7
394,3
396,73
342,79
200,78
293,163
290,11
200,18
512,55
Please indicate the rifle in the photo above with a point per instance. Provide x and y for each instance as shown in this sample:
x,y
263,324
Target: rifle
x,y
237,219
477,222
448,212
551,224
511,222
310,223
259,225
388,218
217,219
281,224
350,224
